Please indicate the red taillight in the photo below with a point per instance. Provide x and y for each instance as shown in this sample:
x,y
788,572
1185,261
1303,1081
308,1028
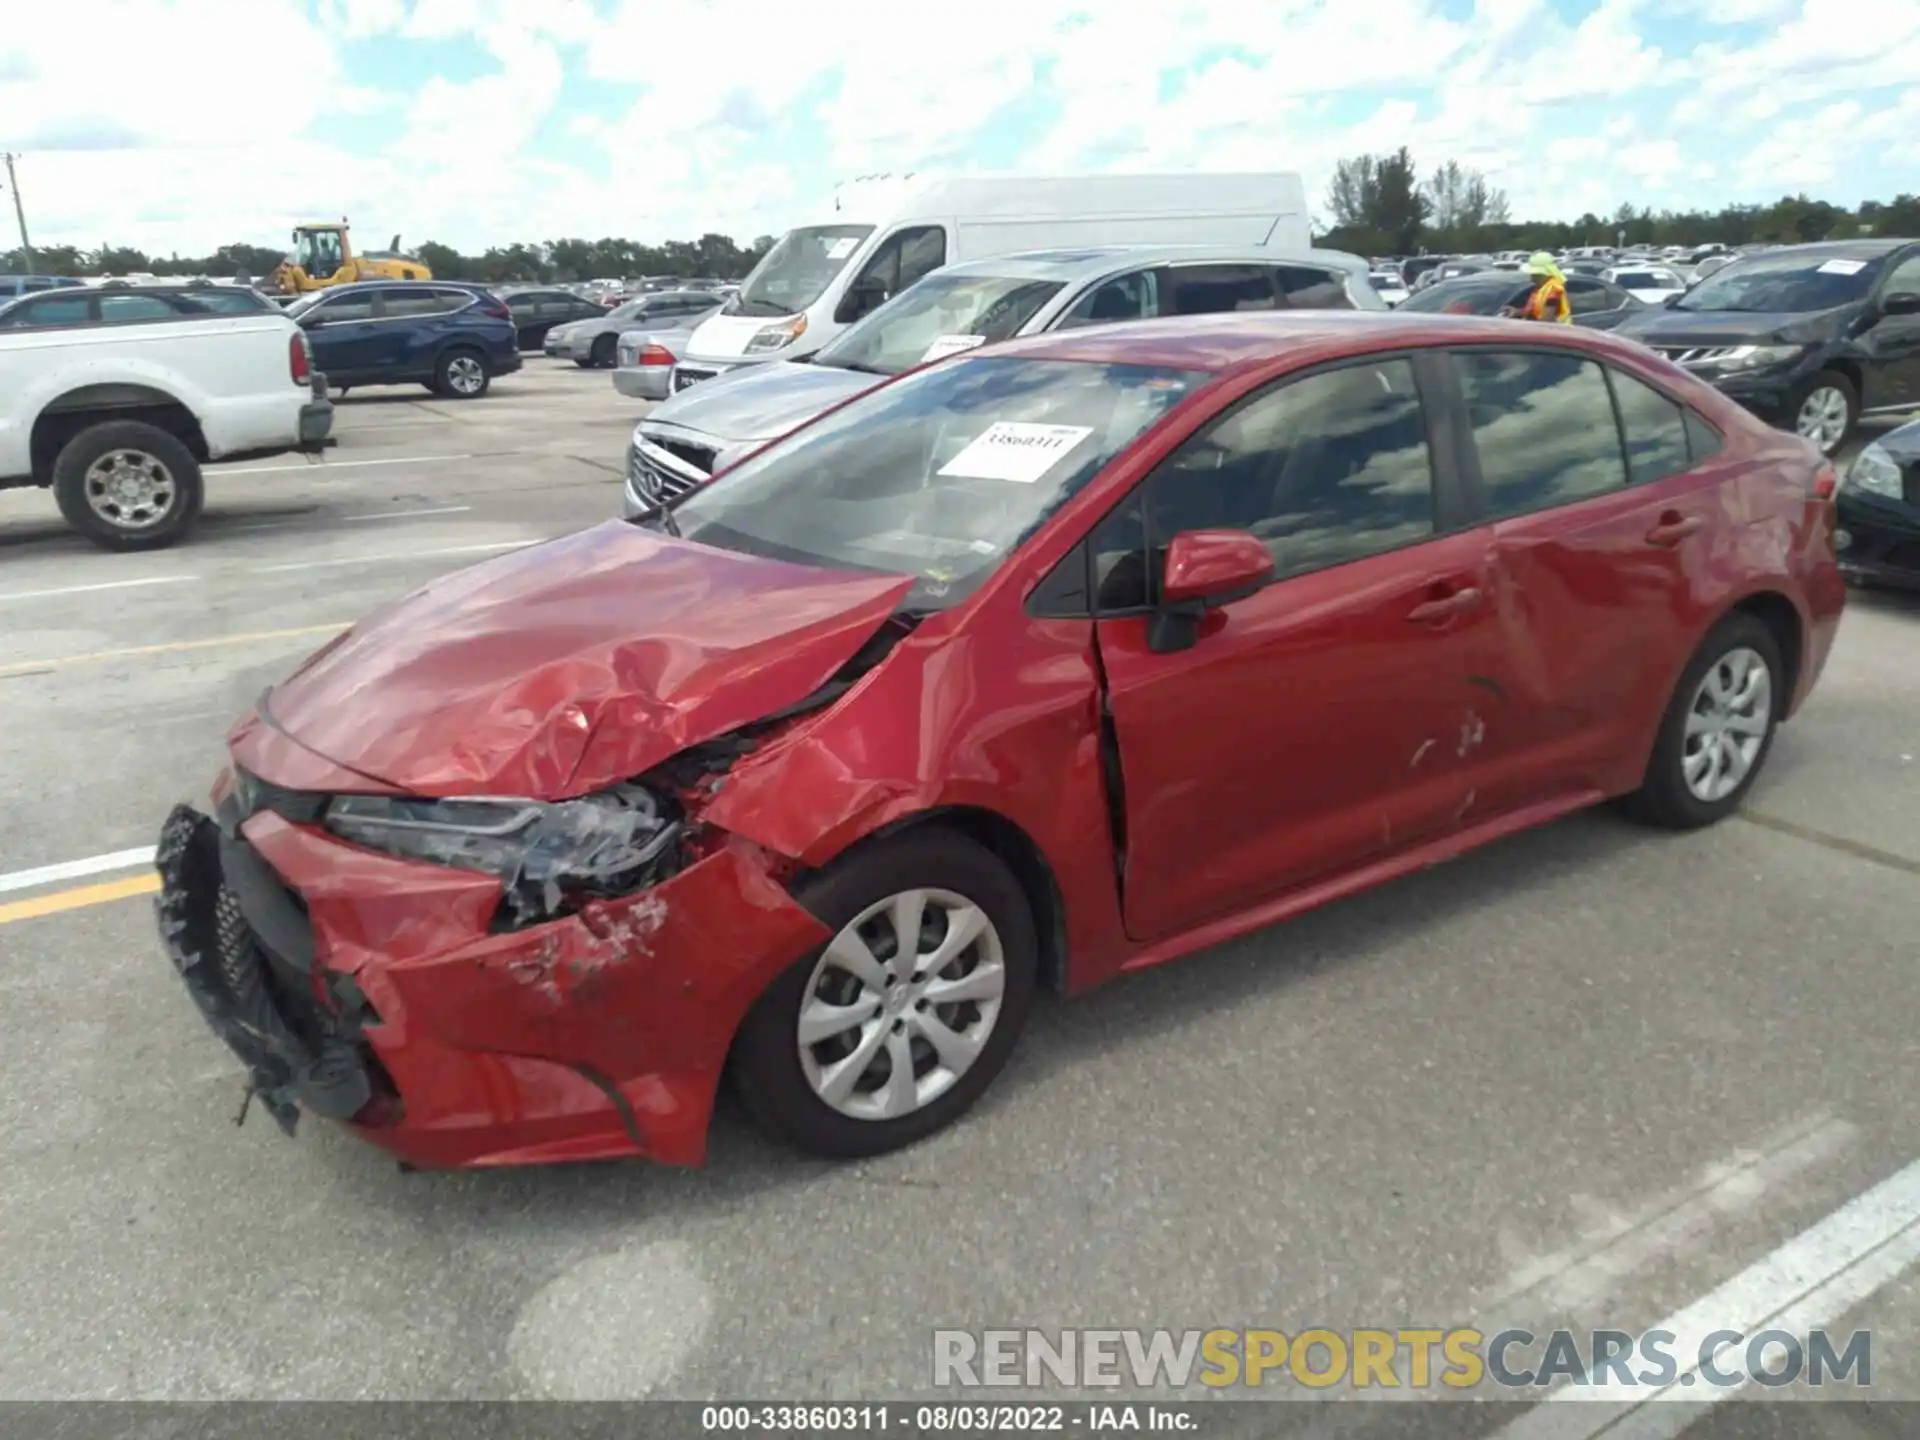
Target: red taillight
x,y
496,307
653,355
299,363
1826,480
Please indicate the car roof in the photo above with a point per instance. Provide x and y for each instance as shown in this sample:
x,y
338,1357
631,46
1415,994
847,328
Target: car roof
x,y
1093,261
1220,344
1841,249
364,287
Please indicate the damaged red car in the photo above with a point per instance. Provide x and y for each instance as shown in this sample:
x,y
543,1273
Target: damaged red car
x,y
1059,659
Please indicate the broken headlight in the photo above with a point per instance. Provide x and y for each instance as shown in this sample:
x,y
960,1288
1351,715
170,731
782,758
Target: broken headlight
x,y
548,856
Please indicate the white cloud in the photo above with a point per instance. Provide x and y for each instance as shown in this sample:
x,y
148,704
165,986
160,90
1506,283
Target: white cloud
x,y
738,114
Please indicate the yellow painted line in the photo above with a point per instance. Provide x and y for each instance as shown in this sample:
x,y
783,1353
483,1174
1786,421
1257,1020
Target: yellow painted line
x,y
78,898
61,662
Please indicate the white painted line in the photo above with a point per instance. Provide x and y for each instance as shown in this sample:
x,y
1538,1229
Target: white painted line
x,y
74,869
1810,1281
409,514
392,555
103,585
335,464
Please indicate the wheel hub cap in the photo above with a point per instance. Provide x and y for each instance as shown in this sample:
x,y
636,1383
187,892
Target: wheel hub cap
x,y
130,489
900,1004
1727,724
1823,417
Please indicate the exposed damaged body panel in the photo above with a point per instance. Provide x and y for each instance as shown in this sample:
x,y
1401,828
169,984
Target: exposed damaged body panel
x,y
571,666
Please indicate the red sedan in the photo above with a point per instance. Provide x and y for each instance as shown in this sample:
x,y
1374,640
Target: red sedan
x,y
1043,663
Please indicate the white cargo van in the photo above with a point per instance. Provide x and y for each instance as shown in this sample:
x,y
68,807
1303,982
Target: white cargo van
x,y
885,232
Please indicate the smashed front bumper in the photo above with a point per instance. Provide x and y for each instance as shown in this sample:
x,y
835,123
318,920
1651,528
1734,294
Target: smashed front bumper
x,y
293,1051
383,993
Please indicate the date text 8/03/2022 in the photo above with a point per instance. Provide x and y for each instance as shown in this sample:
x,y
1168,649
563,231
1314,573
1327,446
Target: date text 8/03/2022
x,y
950,1419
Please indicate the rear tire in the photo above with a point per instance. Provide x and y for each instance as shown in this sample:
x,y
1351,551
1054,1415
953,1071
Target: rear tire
x,y
781,1080
462,374
1706,757
127,485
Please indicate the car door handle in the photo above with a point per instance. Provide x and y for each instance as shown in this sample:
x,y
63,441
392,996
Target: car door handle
x,y
1432,612
1673,528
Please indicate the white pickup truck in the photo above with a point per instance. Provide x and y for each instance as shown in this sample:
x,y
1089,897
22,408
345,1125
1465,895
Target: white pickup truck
x,y
117,416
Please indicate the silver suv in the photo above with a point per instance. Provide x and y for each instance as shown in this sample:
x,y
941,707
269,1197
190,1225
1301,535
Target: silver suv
x,y
703,426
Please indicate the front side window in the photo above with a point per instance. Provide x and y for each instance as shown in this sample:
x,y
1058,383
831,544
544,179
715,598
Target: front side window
x,y
1125,297
941,313
903,258
1905,279
53,310
941,475
334,308
797,270
1327,469
1543,427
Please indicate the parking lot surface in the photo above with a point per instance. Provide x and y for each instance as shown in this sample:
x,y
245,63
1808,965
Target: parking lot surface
x,y
1586,1077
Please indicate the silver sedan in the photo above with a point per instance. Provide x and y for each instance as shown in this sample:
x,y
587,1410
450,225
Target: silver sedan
x,y
590,343
644,361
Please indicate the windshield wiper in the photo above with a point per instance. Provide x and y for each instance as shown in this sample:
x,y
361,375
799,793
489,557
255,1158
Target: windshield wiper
x,y
857,369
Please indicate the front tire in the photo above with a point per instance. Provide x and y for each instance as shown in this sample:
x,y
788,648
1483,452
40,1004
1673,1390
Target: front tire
x,y
897,1025
462,375
1718,728
127,485
1826,411
602,356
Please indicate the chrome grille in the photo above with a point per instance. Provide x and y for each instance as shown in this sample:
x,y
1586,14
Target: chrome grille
x,y
654,483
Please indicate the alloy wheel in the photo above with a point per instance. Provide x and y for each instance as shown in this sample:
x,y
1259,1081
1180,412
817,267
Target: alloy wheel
x,y
465,374
1823,417
1727,724
130,489
901,1004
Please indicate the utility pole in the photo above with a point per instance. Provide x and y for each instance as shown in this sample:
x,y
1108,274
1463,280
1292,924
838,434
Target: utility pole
x,y
19,212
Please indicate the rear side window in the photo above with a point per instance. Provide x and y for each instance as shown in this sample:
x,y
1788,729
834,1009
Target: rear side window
x,y
1589,296
410,300
343,307
445,302
1655,429
120,309
1216,289
1543,428
1306,288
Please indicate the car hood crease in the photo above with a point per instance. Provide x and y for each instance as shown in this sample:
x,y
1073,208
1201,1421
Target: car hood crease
x,y
570,666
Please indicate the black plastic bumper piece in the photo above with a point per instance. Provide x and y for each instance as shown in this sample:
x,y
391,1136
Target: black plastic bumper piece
x,y
221,963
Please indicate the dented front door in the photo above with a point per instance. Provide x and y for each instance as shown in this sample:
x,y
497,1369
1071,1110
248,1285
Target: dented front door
x,y
1325,722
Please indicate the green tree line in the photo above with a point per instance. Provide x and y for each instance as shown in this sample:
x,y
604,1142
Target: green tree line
x,y
1380,205
554,261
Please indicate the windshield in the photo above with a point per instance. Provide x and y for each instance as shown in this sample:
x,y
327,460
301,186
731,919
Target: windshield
x,y
942,314
1647,279
1784,282
792,275
941,475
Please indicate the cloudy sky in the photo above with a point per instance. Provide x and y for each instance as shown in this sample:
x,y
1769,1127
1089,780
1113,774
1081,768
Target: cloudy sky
x,y
184,124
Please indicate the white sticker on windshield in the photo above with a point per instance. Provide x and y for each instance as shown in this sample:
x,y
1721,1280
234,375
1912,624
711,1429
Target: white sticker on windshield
x,y
841,248
1013,450
1843,267
952,345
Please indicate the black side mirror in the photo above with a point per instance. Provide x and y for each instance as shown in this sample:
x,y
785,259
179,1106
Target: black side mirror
x,y
1903,302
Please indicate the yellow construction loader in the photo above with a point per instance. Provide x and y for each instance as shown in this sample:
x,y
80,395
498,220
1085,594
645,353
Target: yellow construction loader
x,y
323,255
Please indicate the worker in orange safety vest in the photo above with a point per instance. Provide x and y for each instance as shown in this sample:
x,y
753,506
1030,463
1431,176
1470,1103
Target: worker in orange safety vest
x,y
1548,300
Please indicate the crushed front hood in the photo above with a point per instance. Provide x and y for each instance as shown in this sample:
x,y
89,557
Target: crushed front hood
x,y
570,666
761,403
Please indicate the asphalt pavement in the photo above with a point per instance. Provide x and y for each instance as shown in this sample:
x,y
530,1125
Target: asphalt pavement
x,y
1591,1077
